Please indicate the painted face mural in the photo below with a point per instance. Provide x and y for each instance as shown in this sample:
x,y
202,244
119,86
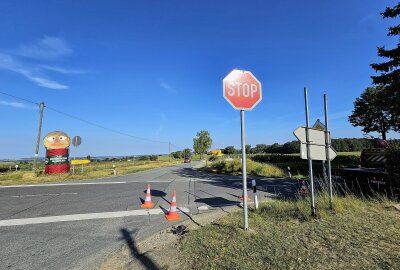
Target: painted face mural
x,y
56,140
57,153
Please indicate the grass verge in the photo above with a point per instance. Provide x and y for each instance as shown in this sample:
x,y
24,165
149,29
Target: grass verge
x,y
356,234
254,168
92,171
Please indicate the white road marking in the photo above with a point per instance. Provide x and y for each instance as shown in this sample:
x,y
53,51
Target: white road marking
x,y
78,217
39,195
65,184
183,209
203,207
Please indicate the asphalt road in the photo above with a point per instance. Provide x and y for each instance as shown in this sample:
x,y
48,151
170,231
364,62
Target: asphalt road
x,y
76,225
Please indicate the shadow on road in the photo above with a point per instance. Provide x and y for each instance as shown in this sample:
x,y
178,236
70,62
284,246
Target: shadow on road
x,y
216,201
141,257
280,187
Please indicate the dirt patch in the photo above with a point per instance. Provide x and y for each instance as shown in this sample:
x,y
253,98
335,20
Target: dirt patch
x,y
161,251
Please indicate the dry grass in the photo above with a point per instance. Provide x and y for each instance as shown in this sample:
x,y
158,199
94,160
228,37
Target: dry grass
x,y
91,171
357,234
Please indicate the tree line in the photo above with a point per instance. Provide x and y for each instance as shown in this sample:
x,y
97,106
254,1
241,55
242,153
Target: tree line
x,y
340,145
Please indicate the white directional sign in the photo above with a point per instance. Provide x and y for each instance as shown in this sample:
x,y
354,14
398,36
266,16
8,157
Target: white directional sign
x,y
317,144
317,152
316,136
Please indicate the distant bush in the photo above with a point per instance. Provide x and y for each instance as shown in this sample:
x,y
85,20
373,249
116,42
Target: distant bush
x,y
255,168
147,157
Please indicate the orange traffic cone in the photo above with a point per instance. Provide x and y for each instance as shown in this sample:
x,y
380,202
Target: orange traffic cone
x,y
147,202
241,198
173,214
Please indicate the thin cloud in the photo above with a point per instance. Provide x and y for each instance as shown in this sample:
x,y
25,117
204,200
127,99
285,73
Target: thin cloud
x,y
18,105
47,48
65,70
9,63
168,88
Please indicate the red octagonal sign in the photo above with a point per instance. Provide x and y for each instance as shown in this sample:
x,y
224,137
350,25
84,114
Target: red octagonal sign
x,y
242,90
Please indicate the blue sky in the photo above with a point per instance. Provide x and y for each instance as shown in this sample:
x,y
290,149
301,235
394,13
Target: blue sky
x,y
154,69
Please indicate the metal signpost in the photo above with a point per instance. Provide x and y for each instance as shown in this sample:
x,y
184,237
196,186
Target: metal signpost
x,y
76,141
308,144
243,91
327,150
316,145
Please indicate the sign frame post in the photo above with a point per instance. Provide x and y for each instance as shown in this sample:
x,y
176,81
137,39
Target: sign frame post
x,y
327,147
313,209
243,92
76,141
244,171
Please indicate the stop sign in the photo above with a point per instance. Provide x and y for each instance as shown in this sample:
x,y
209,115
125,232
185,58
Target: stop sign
x,y
242,90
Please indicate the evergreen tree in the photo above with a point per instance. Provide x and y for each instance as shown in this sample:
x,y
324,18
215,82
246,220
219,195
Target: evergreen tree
x,y
390,72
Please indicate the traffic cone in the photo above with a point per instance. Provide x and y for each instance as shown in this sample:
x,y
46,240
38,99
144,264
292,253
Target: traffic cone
x,y
173,214
241,198
147,202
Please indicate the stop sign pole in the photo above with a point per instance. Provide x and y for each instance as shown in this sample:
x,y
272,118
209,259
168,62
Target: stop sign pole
x,y
243,91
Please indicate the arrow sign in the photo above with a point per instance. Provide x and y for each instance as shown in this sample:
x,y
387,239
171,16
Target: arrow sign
x,y
317,136
317,144
317,152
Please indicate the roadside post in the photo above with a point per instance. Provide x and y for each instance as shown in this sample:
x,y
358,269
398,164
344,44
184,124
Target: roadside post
x,y
253,183
243,91
327,152
76,141
114,169
310,173
315,145
289,173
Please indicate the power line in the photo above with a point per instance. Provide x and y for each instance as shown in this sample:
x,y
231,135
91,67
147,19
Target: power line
x,y
20,98
85,121
102,127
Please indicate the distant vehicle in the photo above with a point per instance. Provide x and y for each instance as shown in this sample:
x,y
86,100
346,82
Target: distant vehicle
x,y
187,160
371,173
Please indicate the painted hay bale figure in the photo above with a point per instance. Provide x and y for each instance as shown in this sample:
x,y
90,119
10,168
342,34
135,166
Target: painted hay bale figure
x,y
57,152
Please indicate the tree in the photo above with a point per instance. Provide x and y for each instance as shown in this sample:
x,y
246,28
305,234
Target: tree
x,y
248,148
371,112
177,154
202,143
229,150
187,153
260,148
389,78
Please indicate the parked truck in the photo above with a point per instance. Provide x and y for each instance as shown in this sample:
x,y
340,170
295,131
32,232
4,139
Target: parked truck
x,y
371,174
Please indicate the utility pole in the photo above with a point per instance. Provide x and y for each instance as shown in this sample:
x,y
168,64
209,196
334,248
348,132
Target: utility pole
x,y
41,107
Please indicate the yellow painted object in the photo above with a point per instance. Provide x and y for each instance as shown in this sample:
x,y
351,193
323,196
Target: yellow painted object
x,y
217,153
80,162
